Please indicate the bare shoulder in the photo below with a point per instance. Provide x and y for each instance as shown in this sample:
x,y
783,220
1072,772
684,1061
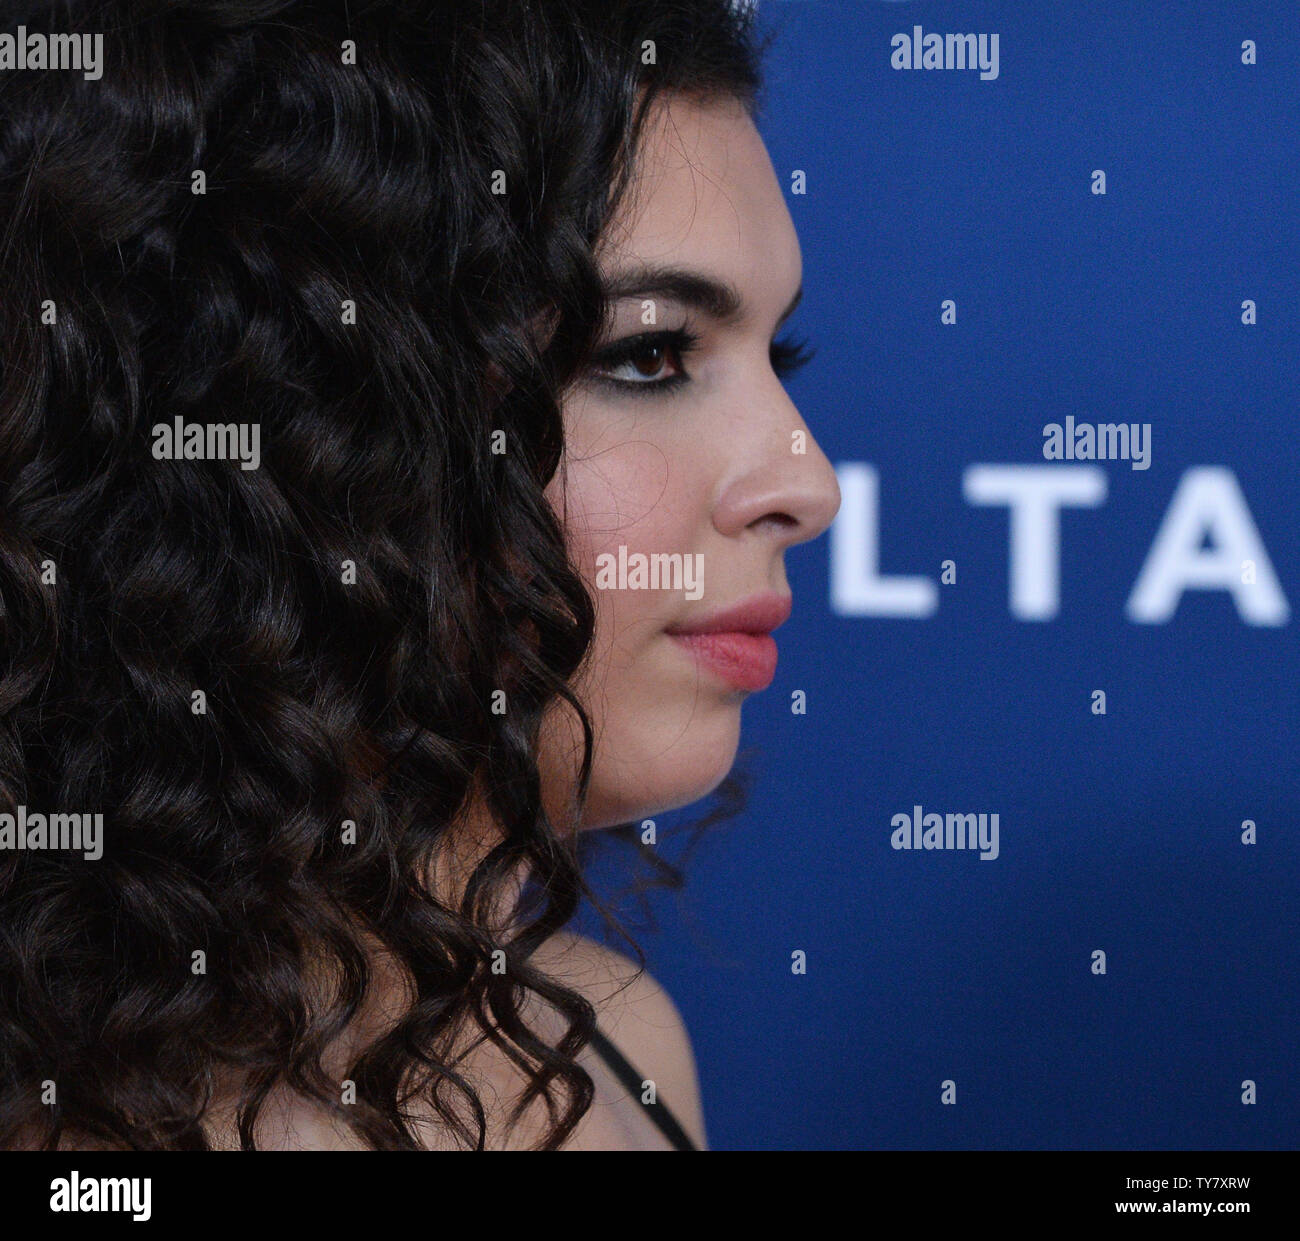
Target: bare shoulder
x,y
637,1015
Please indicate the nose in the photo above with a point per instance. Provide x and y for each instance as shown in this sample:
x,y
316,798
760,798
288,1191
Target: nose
x,y
784,486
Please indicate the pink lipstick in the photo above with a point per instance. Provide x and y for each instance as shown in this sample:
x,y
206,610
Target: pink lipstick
x,y
736,644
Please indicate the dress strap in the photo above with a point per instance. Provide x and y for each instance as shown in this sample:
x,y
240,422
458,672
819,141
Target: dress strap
x,y
664,1120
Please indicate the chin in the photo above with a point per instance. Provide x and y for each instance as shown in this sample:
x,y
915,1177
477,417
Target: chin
x,y
663,773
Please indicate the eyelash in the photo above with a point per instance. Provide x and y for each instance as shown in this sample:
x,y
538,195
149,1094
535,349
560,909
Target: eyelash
x,y
786,356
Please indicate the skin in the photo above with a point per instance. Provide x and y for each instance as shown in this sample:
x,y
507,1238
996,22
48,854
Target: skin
x,y
708,469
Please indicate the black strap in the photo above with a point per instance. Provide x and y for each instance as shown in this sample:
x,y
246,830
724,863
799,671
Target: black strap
x,y
664,1120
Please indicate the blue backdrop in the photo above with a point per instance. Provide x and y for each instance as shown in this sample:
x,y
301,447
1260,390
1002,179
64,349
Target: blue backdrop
x,y
1119,832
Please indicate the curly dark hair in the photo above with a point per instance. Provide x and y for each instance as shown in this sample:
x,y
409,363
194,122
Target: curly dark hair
x,y
276,683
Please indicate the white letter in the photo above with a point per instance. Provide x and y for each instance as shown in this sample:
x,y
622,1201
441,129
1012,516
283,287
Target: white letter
x,y
1035,495
857,589
1208,501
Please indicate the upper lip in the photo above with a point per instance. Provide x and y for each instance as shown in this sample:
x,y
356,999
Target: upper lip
x,y
757,614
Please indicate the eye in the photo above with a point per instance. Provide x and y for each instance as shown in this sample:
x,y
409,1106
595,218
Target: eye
x,y
654,361
649,362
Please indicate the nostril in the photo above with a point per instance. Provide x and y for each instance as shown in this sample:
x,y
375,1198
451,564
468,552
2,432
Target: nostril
x,y
780,522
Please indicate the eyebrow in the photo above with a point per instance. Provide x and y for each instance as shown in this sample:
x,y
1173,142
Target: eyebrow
x,y
716,298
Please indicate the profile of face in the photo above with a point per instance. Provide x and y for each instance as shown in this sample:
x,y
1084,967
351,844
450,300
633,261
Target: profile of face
x,y
688,471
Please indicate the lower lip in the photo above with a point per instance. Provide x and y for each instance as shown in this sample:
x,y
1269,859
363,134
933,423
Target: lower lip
x,y
744,660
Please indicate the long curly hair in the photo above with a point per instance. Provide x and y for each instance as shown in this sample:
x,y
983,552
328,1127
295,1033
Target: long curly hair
x,y
332,227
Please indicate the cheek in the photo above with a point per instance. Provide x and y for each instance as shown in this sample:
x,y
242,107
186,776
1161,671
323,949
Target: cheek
x,y
618,494
624,497
661,739
636,494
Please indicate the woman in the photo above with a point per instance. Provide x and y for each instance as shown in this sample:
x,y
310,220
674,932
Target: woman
x,y
353,354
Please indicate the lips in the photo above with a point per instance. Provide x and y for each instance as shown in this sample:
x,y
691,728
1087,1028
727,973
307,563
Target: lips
x,y
736,644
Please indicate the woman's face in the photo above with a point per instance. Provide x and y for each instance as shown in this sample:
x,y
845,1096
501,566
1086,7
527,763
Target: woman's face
x,y
687,473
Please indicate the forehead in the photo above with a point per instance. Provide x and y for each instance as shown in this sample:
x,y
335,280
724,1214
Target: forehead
x,y
705,195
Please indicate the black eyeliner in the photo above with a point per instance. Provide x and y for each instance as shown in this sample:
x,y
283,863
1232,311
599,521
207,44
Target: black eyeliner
x,y
680,341
787,357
